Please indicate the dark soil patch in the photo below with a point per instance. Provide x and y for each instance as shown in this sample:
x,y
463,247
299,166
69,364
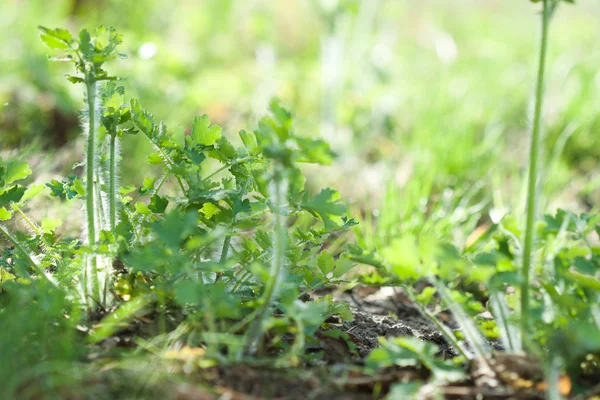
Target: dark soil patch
x,y
337,370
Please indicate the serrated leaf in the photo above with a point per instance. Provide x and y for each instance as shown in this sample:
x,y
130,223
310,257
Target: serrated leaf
x,y
203,133
314,151
326,206
148,184
426,296
55,38
175,228
85,43
158,204
209,210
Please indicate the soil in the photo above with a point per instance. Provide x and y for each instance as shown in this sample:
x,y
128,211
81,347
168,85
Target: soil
x,y
338,373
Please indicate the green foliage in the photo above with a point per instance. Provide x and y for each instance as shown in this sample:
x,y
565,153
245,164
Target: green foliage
x,y
192,247
236,237
41,348
87,52
413,352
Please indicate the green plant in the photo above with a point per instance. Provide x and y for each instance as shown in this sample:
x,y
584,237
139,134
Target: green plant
x,y
548,9
88,54
472,276
220,249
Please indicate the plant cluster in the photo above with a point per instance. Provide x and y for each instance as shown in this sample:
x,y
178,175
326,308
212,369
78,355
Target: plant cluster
x,y
219,248
531,289
215,258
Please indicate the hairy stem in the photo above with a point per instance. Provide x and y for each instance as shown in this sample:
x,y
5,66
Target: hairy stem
x,y
162,182
255,331
112,183
534,152
90,190
29,222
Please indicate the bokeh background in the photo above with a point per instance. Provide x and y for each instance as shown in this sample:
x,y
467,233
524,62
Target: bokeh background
x,y
426,102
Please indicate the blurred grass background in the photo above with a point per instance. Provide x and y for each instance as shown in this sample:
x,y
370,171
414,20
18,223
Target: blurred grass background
x,y
425,102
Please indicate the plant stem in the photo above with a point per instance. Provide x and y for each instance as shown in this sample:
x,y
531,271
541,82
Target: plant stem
x,y
112,183
90,186
162,182
227,166
225,250
278,193
533,170
169,163
447,332
29,222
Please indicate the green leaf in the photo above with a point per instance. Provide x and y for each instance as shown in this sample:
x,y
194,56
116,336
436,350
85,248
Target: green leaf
x,y
327,207
55,38
314,151
342,266
175,228
50,224
203,133
13,195
85,43
209,210
155,159
249,140
404,391
78,187
178,137
126,189
75,79
32,191
16,170
426,296
148,185
403,256
187,292
5,215
158,204
586,281
6,276
142,208
325,262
